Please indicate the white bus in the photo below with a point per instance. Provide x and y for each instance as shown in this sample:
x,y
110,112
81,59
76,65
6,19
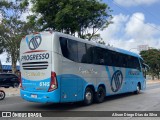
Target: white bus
x,y
58,68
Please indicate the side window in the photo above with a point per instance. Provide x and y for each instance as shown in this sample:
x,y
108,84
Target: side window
x,y
133,62
130,62
113,60
137,65
63,43
143,69
124,60
82,57
89,53
118,60
72,50
107,58
98,56
142,65
69,48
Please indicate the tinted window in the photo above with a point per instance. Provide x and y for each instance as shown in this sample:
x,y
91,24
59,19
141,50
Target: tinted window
x,y
136,63
124,60
63,42
69,48
72,50
98,56
107,57
89,53
114,58
85,53
110,58
82,57
118,61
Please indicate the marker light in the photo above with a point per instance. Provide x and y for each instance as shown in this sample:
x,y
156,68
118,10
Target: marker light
x,y
53,83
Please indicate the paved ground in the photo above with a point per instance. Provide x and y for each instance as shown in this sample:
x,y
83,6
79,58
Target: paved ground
x,y
148,100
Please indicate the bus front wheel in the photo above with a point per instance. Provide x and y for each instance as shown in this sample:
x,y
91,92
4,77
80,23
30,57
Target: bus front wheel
x,y
100,95
88,96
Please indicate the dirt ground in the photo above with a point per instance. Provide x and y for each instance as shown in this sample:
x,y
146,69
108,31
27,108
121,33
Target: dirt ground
x,y
16,91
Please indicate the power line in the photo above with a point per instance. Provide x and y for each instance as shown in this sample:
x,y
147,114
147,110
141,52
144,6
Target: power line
x,y
147,11
126,10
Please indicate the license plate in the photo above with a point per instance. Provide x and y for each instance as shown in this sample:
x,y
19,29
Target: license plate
x,y
34,96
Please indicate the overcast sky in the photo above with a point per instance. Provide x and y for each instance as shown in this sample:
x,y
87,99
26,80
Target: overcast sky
x,y
136,22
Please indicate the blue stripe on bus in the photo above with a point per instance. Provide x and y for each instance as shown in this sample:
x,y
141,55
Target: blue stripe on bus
x,y
71,88
67,91
27,40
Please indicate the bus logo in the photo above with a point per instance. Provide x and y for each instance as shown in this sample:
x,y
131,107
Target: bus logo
x,y
116,81
35,42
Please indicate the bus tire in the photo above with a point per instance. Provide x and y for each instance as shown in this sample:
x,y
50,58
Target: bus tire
x,y
100,95
88,96
138,89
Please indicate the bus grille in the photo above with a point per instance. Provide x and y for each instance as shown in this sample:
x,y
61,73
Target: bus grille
x,y
35,65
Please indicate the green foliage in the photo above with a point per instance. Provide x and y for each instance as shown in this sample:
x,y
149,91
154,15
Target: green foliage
x,y
152,58
12,29
72,16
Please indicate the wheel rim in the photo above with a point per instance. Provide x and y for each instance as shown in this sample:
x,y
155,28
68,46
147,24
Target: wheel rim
x,y
88,96
15,85
1,95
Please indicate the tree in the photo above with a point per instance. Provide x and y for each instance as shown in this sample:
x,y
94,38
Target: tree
x,y
72,16
97,38
12,28
152,58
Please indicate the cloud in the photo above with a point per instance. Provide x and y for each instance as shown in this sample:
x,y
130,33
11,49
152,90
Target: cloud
x,y
137,28
128,32
112,32
128,3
